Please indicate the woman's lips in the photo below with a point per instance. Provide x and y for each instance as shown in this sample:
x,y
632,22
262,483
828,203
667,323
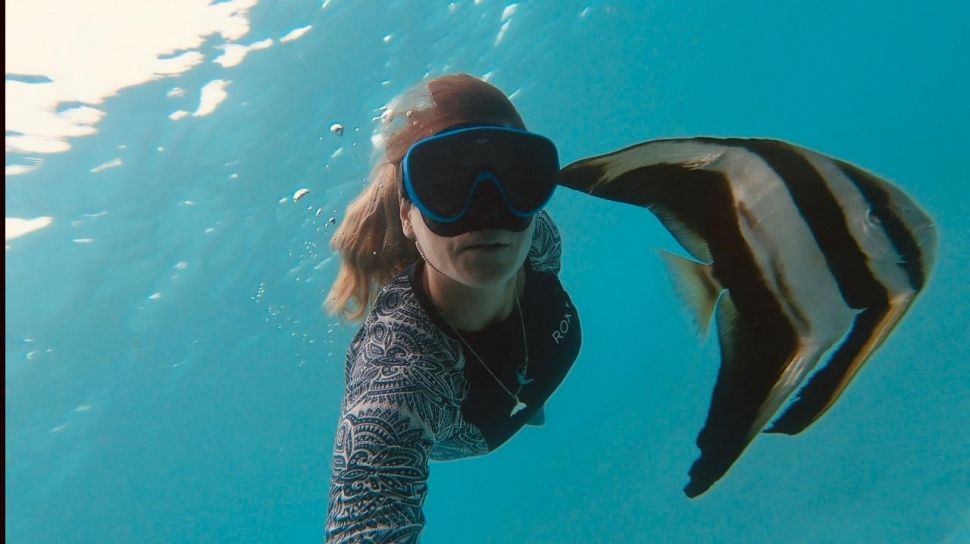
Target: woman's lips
x,y
486,246
486,241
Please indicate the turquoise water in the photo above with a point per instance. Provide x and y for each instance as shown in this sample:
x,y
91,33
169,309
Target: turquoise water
x,y
170,376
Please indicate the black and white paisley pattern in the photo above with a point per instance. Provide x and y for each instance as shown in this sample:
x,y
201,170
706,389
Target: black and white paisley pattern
x,y
383,482
403,406
545,255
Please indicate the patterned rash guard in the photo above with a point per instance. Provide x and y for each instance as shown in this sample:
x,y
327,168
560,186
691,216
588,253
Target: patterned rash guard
x,y
414,393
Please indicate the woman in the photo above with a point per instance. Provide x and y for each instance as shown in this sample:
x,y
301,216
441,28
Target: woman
x,y
471,332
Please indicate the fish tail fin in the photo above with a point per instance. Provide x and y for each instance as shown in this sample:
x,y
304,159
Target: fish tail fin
x,y
695,285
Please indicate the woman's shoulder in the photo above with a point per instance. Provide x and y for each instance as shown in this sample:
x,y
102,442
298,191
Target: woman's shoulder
x,y
545,254
400,318
398,338
400,361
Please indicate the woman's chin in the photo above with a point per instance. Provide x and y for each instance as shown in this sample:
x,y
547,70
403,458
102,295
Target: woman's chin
x,y
488,269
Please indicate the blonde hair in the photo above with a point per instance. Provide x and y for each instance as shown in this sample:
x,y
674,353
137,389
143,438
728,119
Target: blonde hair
x,y
370,239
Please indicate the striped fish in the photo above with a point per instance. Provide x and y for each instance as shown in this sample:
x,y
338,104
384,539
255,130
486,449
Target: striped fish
x,y
798,256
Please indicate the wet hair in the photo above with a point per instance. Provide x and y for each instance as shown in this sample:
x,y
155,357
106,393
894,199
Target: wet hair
x,y
370,239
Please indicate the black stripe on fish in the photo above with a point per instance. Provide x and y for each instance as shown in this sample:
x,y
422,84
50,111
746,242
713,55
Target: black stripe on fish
x,y
785,296
899,235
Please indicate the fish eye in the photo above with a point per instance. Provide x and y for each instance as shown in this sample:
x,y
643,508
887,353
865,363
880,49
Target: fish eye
x,y
872,218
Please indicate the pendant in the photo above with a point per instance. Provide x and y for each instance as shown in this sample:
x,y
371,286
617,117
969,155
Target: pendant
x,y
523,379
519,406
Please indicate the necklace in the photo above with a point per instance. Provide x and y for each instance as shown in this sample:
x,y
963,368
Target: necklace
x,y
520,374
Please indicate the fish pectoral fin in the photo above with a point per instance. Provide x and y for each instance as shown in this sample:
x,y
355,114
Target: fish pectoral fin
x,y
729,331
869,330
684,232
695,285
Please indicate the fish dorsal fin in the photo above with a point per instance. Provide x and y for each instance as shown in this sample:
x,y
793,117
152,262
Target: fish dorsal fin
x,y
696,286
674,179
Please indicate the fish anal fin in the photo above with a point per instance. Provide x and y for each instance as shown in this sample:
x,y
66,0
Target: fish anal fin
x,y
757,347
695,285
871,327
731,334
721,441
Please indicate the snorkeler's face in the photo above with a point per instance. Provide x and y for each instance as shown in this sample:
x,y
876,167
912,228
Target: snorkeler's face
x,y
478,258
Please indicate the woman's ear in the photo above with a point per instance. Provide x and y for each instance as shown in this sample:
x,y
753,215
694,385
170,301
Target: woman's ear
x,y
405,210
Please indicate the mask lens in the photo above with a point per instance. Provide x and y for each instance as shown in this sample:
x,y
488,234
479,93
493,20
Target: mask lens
x,y
437,180
527,175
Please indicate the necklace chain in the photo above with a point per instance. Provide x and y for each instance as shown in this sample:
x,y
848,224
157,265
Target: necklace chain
x,y
519,405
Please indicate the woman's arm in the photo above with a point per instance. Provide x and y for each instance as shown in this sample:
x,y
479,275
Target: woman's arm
x,y
380,472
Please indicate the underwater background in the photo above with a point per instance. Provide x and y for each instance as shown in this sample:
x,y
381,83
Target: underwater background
x,y
170,375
